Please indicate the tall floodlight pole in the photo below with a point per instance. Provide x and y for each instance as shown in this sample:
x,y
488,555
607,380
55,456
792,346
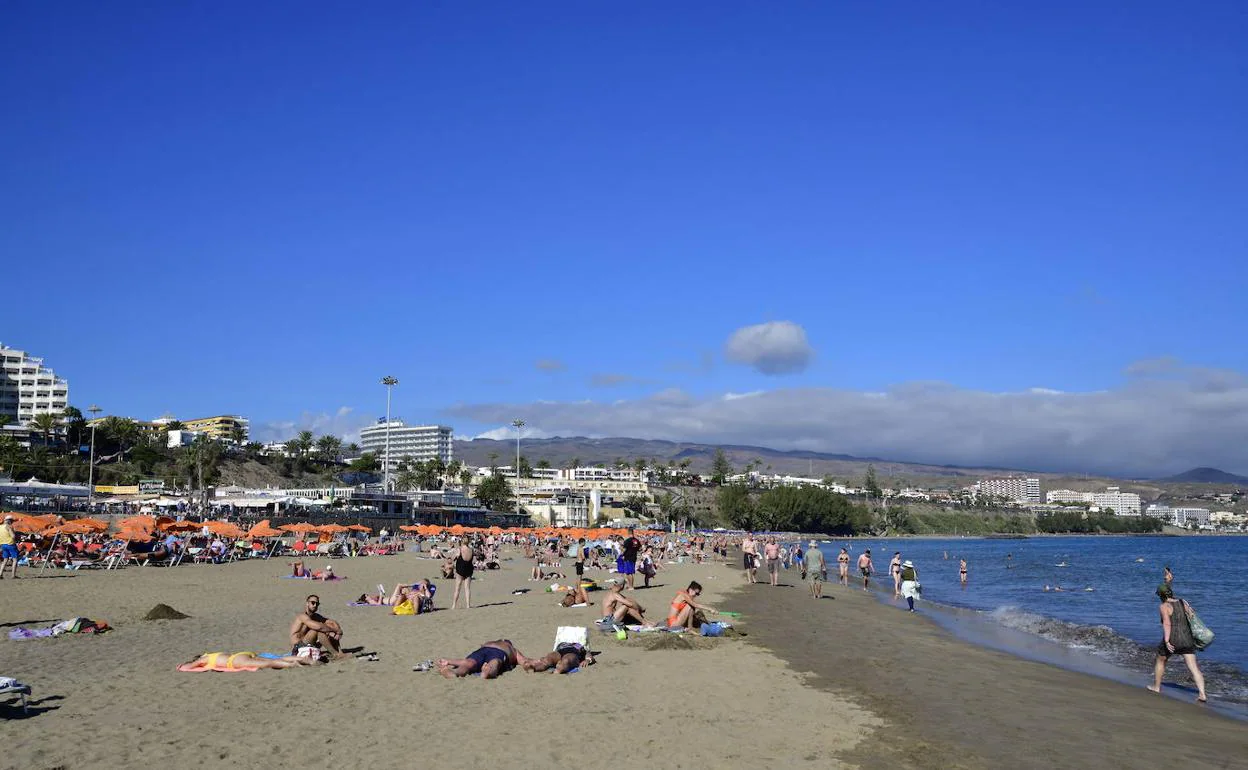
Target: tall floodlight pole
x,y
94,410
517,424
389,382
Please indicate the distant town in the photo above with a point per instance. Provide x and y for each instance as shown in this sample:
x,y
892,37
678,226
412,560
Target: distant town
x,y
54,455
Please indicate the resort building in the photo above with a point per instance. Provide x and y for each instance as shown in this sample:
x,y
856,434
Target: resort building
x,y
28,388
1015,488
1121,503
225,427
409,442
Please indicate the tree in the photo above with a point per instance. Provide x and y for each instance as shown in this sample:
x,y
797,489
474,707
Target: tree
x,y
639,464
494,492
721,469
406,481
575,462
174,425
493,461
329,448
636,504
525,470
365,463
735,506
543,464
75,425
353,449
46,423
238,434
870,485
453,469
465,478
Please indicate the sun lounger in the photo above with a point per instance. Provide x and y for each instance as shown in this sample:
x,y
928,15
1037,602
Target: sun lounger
x,y
10,688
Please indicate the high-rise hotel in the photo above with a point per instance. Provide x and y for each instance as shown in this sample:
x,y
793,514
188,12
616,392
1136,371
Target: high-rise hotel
x,y
28,388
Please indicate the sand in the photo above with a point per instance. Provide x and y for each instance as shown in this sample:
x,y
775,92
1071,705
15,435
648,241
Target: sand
x,y
117,698
949,704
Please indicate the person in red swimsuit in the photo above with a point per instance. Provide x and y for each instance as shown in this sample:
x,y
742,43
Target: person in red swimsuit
x,y
685,611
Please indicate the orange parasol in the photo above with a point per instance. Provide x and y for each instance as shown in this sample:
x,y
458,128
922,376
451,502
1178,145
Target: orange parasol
x,y
360,528
140,535
264,529
31,525
137,522
92,525
410,528
182,526
332,529
301,527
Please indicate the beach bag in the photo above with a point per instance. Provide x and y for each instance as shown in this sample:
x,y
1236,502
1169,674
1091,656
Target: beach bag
x,y
1200,632
404,608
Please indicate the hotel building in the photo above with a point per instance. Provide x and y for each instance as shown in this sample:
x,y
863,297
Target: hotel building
x,y
28,388
409,442
1018,489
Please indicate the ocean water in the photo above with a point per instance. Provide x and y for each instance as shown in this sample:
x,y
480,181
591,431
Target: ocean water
x,y
1116,621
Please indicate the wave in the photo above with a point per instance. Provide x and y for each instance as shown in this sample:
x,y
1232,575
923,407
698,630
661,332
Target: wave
x,y
1223,680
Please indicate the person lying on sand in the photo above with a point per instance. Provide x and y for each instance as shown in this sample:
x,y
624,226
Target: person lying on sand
x,y
325,574
685,611
396,597
575,595
567,656
310,627
492,659
621,609
240,661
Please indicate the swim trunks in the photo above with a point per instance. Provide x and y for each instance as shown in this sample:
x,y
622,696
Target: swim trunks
x,y
8,551
483,655
571,648
773,565
626,567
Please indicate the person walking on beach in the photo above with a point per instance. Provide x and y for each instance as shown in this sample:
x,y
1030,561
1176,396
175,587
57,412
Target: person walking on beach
x,y
842,566
962,570
909,583
815,567
8,548
463,568
772,552
894,569
749,558
1176,639
865,568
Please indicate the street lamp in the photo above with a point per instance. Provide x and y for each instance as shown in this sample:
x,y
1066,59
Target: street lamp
x,y
94,410
389,382
517,424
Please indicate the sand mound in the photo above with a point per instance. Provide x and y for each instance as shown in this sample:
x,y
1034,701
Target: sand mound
x,y
676,642
164,612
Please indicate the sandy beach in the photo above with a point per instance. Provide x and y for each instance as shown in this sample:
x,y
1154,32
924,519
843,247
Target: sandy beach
x,y
117,698
949,704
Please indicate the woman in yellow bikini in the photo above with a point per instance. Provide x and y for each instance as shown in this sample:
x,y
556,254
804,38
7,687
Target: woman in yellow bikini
x,y
239,661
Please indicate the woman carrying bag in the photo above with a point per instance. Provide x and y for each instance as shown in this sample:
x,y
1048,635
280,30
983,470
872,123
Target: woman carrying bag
x,y
910,587
1177,639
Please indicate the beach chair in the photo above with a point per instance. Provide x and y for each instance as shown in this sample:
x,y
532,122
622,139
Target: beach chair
x,y
10,688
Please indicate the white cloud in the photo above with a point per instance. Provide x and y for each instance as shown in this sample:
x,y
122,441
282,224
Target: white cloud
x,y
610,380
734,396
1150,426
549,365
343,422
509,432
775,347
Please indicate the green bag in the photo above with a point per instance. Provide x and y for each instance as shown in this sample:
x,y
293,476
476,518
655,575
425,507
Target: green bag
x,y
1200,632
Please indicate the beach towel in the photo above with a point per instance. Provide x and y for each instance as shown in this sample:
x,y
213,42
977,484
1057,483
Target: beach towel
x,y
70,626
571,635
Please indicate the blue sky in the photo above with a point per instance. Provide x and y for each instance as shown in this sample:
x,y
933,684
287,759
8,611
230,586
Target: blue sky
x,y
263,208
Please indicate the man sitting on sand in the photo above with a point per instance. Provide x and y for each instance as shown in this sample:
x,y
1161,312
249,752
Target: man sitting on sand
x,y
685,611
619,608
492,659
311,628
566,657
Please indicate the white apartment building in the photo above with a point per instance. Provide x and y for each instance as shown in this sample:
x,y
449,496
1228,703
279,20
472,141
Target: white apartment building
x,y
1181,517
28,388
409,442
1016,488
1122,503
562,509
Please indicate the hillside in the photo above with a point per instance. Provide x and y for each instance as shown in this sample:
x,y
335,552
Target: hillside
x,y
1206,476
559,452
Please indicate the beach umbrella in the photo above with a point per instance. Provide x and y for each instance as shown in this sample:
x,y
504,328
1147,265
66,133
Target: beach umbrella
x,y
92,525
182,526
68,528
138,522
30,525
410,528
361,528
333,529
264,529
302,527
224,529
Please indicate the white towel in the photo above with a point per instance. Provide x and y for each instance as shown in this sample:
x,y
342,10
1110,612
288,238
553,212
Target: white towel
x,y
571,634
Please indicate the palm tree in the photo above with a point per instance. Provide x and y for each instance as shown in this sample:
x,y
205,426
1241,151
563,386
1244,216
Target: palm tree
x,y
353,449
465,478
452,470
46,423
329,448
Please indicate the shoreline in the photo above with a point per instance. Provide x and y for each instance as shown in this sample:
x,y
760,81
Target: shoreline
x,y
951,703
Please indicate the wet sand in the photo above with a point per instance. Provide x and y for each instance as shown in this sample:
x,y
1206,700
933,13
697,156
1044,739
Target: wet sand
x,y
949,704
116,699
